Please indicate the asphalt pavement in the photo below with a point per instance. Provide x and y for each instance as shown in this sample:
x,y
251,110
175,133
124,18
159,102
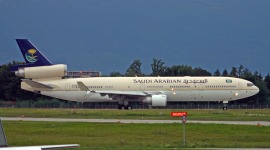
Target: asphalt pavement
x,y
261,123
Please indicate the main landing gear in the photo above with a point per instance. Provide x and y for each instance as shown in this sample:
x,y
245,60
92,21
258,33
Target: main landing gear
x,y
123,103
122,107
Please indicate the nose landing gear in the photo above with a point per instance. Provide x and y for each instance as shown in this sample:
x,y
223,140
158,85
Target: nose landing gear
x,y
225,105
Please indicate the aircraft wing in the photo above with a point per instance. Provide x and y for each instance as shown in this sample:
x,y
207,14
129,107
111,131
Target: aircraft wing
x,y
35,84
48,147
45,147
121,93
130,93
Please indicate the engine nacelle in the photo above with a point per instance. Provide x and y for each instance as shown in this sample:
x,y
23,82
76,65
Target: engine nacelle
x,y
156,100
42,72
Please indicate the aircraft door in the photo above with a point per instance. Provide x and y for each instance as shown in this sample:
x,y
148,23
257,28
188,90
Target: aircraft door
x,y
142,86
200,86
239,86
67,87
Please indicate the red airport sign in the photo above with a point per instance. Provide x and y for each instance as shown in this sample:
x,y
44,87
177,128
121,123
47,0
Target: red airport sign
x,y
178,114
184,119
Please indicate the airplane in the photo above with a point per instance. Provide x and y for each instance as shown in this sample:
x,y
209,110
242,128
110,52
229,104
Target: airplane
x,y
41,76
4,144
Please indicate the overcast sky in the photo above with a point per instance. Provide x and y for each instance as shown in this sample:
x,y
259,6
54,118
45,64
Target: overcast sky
x,y
107,35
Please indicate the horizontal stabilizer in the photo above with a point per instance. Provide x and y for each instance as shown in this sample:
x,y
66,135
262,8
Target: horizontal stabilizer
x,y
35,84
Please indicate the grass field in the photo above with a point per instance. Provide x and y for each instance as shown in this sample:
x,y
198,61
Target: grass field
x,y
155,114
136,136
116,136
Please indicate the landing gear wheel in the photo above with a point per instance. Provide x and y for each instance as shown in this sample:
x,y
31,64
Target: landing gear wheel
x,y
225,105
121,107
128,107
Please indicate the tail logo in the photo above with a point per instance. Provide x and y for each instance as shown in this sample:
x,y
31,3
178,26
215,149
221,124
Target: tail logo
x,y
31,55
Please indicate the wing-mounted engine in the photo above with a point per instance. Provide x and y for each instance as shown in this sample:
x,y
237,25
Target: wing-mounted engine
x,y
52,71
156,100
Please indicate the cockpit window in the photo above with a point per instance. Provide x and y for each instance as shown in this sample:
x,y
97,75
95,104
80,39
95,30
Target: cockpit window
x,y
228,81
250,84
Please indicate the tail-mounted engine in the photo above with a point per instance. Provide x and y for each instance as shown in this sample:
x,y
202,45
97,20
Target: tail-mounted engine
x,y
42,72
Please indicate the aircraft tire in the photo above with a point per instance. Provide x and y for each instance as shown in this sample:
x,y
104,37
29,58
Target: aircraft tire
x,y
121,107
128,107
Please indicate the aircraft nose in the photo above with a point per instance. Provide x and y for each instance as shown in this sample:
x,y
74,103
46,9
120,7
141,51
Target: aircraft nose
x,y
256,89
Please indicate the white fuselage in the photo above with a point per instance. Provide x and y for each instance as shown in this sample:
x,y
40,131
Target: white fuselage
x,y
175,88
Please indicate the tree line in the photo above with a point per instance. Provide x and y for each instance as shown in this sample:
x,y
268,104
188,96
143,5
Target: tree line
x,y
10,84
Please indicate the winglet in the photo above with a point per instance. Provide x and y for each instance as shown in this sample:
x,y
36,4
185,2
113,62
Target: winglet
x,y
82,86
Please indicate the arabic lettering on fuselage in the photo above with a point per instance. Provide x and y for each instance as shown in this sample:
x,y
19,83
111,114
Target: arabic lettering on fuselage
x,y
186,81
195,81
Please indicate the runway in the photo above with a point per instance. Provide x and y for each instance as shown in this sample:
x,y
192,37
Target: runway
x,y
262,123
